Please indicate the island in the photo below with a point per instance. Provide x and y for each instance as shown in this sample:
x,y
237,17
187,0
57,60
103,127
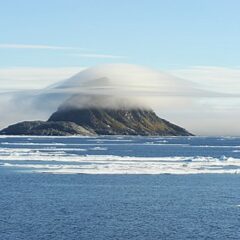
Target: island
x,y
98,121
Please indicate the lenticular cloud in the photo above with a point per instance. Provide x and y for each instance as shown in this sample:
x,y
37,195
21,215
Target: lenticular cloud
x,y
117,85
110,86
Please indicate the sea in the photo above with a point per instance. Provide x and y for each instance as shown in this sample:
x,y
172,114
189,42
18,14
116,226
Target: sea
x,y
119,187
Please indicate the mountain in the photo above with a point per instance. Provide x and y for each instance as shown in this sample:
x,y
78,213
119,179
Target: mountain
x,y
110,99
100,121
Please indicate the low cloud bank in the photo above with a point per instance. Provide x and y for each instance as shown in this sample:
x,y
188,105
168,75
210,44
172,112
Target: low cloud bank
x,y
200,109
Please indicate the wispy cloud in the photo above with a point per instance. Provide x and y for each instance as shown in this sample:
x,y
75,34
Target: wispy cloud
x,y
94,55
78,51
33,46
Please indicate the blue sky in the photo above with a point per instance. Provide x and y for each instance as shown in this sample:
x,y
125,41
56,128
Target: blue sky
x,y
160,34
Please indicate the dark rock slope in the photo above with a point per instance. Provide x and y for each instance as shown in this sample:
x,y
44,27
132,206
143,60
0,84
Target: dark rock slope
x,y
121,122
98,121
41,128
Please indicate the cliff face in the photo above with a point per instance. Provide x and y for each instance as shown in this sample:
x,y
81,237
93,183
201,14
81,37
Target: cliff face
x,y
119,122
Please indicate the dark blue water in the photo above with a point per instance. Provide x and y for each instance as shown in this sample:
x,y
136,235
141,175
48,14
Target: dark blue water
x,y
38,206
36,202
